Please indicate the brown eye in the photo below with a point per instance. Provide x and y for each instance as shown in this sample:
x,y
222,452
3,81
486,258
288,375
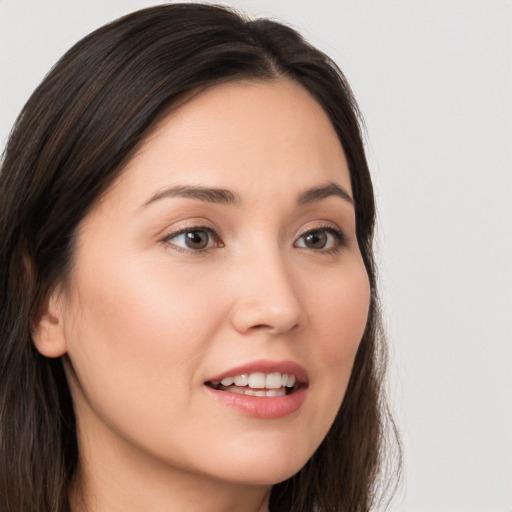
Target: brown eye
x,y
197,239
316,240
193,239
325,239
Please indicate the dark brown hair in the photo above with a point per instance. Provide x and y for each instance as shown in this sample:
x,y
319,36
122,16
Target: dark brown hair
x,y
69,143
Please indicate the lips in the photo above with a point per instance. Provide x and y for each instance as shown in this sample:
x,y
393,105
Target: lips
x,y
262,389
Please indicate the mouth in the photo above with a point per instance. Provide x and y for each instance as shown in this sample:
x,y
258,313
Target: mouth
x,y
262,378
261,389
258,384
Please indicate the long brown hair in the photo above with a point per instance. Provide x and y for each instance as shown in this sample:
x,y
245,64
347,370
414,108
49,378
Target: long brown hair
x,y
69,143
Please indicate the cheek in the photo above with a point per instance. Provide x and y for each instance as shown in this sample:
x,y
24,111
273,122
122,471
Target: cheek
x,y
342,312
134,327
143,303
341,306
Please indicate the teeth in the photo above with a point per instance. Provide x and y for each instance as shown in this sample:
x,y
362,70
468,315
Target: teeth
x,y
259,392
260,381
241,380
227,381
257,380
291,381
273,381
276,392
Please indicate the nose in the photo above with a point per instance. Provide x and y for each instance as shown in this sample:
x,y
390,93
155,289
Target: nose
x,y
267,297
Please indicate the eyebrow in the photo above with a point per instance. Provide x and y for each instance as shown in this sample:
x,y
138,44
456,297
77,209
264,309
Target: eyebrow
x,y
317,194
227,197
206,194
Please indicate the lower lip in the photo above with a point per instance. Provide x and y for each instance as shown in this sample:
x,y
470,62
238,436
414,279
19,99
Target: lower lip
x,y
270,407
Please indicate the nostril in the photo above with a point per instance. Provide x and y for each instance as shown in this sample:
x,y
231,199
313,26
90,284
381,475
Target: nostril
x,y
260,327
265,315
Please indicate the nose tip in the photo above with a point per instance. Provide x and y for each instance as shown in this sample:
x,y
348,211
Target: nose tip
x,y
251,316
269,303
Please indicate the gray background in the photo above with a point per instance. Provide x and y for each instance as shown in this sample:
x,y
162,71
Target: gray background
x,y
434,80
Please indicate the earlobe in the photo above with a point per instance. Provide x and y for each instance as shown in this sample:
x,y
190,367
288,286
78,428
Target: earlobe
x,y
48,330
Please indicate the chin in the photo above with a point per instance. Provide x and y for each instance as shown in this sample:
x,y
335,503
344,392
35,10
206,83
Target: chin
x,y
265,477
262,467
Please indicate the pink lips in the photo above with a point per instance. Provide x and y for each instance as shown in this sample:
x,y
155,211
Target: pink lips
x,y
263,407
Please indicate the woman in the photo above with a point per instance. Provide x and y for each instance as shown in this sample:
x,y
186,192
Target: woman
x,y
189,314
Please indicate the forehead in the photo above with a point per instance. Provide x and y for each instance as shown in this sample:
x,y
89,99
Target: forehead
x,y
268,135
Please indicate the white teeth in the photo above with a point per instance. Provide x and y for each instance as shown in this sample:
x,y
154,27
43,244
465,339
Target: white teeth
x,y
256,380
276,392
241,380
260,380
259,392
291,381
273,381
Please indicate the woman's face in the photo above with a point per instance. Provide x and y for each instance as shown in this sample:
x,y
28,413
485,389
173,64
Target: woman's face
x,y
225,250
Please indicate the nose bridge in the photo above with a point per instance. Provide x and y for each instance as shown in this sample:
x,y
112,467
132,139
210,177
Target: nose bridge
x,y
267,295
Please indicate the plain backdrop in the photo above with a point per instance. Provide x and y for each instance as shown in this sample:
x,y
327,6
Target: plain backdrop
x,y
434,80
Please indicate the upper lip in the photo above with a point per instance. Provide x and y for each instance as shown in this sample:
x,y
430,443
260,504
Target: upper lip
x,y
265,366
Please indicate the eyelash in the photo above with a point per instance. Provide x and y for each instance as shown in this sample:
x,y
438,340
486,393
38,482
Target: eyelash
x,y
191,229
339,238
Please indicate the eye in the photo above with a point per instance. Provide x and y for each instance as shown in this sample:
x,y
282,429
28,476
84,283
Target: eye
x,y
321,239
194,239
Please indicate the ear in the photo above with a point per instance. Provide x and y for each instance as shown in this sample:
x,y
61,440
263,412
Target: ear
x,y
48,331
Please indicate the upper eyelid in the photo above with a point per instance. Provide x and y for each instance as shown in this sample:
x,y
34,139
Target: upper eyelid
x,y
187,229
330,229
325,225
341,238
172,232
197,227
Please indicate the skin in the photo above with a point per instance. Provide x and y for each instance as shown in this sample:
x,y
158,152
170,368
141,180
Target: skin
x,y
143,320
